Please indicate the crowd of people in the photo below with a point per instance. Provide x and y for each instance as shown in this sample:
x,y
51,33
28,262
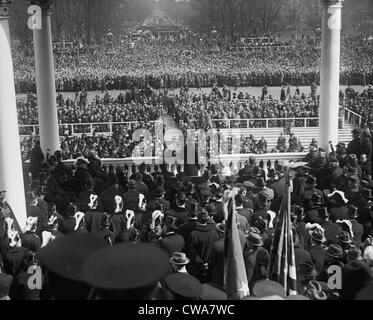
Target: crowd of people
x,y
162,65
171,228
115,119
198,110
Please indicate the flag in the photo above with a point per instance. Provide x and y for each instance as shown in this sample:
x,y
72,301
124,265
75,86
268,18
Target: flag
x,y
236,284
282,267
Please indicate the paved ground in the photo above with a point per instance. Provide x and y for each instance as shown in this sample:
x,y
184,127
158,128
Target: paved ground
x,y
257,91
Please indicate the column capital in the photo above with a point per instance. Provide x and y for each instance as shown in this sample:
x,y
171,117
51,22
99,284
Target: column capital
x,y
329,3
45,5
4,8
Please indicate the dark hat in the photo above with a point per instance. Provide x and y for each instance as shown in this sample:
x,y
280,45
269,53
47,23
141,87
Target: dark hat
x,y
182,197
323,212
260,182
131,183
334,251
311,180
160,191
272,172
184,285
354,253
210,291
203,215
179,258
352,211
356,131
65,256
30,241
125,267
255,238
211,210
170,222
267,288
367,194
307,269
115,180
5,284
344,237
317,235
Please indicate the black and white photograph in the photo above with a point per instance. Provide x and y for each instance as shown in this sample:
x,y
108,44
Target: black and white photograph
x,y
189,155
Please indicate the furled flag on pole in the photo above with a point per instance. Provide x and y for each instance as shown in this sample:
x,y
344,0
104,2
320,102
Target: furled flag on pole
x,y
236,284
282,267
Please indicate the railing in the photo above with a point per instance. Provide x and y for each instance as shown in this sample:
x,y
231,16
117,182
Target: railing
x,y
72,129
353,117
265,123
261,48
232,162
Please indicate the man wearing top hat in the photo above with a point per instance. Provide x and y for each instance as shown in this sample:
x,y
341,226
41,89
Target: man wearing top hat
x,y
354,146
357,228
198,246
277,184
179,211
312,215
159,199
108,195
186,228
240,208
331,229
170,241
308,191
219,206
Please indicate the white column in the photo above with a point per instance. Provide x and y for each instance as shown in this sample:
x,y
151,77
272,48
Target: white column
x,y
45,82
11,173
329,76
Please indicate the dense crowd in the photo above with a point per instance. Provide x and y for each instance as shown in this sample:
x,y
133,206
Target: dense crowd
x,y
91,216
114,120
194,110
131,105
162,65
